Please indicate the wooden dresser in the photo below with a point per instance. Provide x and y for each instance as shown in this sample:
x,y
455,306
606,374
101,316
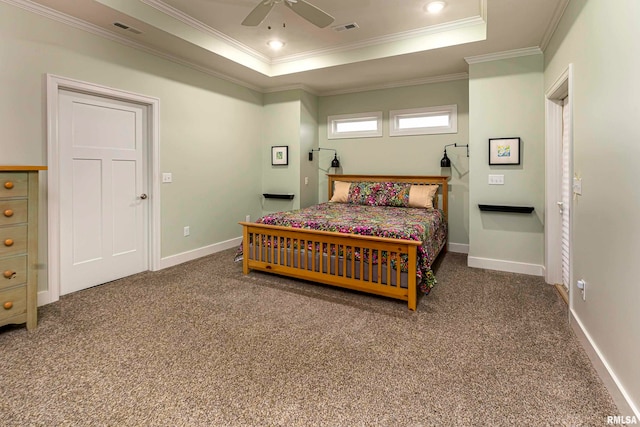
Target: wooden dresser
x,y
19,244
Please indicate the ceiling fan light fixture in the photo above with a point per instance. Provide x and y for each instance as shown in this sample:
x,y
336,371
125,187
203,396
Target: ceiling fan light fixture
x,y
275,44
306,10
435,6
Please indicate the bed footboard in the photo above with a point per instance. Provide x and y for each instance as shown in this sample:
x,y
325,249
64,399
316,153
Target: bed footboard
x,y
364,263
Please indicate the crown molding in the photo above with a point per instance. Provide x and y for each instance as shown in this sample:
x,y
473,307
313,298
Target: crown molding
x,y
377,41
402,83
303,87
200,26
516,53
553,24
101,32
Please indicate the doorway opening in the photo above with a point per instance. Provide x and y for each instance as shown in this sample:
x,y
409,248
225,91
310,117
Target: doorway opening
x,y
558,180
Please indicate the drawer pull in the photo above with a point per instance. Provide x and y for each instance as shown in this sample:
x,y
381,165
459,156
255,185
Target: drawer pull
x,y
8,305
8,213
8,274
8,242
8,185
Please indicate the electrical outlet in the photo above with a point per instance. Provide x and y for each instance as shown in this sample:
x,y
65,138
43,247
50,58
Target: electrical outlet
x,y
167,177
247,218
577,186
496,179
306,180
187,231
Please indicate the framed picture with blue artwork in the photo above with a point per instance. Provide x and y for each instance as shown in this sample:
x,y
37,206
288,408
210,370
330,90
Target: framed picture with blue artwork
x,y
504,151
280,155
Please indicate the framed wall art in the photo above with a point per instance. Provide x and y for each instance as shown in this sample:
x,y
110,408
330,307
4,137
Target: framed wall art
x,y
280,155
504,151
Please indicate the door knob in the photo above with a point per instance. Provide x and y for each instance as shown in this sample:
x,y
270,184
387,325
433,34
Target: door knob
x,y
143,196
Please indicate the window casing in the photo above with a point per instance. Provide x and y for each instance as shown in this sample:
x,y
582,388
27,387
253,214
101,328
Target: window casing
x,y
360,125
424,121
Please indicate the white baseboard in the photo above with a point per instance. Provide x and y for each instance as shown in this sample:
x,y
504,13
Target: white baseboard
x,y
608,377
44,298
459,248
172,260
509,266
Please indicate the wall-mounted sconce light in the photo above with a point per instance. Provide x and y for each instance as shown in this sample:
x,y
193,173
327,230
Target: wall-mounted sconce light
x,y
446,162
335,163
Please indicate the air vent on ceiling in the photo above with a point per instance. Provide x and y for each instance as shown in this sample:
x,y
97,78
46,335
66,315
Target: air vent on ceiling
x,y
345,27
126,27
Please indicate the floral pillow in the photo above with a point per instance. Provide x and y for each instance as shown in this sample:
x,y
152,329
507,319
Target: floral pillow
x,y
379,194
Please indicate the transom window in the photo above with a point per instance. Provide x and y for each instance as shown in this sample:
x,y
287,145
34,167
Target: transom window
x,y
360,125
424,121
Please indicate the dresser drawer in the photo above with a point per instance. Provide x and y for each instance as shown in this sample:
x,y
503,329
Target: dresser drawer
x,y
13,302
13,240
13,271
13,184
13,212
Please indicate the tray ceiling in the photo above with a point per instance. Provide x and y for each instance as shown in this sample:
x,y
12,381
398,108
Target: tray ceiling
x,y
394,42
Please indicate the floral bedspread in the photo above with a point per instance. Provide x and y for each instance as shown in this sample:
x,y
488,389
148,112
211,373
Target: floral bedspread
x,y
426,225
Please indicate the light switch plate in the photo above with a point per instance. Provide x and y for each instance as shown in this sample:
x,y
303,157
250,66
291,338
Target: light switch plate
x,y
496,179
167,177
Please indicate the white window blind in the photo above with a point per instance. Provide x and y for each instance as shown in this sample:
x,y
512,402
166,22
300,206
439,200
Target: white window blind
x,y
566,196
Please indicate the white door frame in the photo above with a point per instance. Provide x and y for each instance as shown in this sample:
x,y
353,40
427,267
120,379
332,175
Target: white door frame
x,y
561,88
54,85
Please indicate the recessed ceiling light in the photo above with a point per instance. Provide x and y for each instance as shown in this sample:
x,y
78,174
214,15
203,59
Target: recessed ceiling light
x,y
275,44
435,6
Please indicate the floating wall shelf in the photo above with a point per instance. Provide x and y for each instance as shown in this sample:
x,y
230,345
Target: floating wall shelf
x,y
503,208
288,196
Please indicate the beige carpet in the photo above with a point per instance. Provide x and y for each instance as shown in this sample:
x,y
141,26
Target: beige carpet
x,y
202,345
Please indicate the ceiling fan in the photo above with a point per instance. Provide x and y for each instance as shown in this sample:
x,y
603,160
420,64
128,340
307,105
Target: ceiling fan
x,y
306,10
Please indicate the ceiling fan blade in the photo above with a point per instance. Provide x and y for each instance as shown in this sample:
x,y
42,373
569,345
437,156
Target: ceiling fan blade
x,y
258,14
311,13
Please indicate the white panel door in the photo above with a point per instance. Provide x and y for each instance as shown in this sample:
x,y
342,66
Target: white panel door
x,y
103,201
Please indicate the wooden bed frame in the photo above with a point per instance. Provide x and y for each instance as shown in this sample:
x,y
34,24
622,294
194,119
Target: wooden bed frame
x,y
308,265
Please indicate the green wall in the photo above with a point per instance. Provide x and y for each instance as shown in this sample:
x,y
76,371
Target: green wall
x,y
210,129
308,141
600,39
505,100
403,155
281,127
290,118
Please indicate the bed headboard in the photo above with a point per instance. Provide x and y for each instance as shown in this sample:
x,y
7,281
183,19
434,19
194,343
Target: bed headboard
x,y
441,181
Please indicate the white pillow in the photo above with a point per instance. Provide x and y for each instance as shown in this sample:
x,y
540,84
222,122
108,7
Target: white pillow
x,y
421,196
340,192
